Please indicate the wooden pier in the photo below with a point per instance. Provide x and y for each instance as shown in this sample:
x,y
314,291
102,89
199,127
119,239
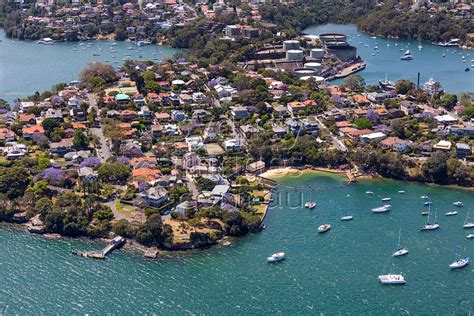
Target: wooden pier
x,y
115,243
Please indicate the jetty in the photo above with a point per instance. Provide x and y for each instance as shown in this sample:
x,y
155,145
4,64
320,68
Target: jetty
x,y
115,243
348,71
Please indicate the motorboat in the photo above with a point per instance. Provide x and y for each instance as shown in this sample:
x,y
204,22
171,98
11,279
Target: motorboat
x,y
382,209
369,192
347,218
392,279
401,192
424,197
46,41
276,257
407,56
425,213
386,199
428,203
401,251
460,263
451,213
310,204
458,204
470,236
324,228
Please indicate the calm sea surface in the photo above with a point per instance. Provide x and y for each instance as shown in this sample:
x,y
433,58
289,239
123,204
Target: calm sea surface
x,y
331,273
26,67
428,61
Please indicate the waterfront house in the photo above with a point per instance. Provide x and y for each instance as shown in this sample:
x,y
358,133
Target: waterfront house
x,y
155,196
256,167
395,144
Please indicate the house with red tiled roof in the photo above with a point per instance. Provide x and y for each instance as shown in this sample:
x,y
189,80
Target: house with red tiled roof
x,y
128,115
6,135
360,99
343,124
146,174
395,143
354,133
32,131
77,125
27,119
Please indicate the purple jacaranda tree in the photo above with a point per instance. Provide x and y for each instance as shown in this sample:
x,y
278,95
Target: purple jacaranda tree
x,y
124,160
372,115
92,162
52,175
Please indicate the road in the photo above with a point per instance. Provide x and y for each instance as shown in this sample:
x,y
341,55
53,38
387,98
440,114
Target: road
x,y
336,142
104,152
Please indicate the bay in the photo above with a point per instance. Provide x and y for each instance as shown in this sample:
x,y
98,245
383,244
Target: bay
x,y
429,61
26,67
329,273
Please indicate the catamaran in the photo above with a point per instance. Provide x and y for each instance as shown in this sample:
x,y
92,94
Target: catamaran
x,y
392,279
429,226
401,251
467,223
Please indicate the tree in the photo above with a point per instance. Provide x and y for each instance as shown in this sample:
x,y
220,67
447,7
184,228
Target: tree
x,y
363,123
403,86
13,181
448,101
398,127
89,76
50,125
80,140
355,82
52,175
114,172
435,168
235,224
153,232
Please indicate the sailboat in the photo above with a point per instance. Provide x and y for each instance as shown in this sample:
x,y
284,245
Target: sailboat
x,y
429,226
347,217
467,223
310,204
419,45
401,251
460,262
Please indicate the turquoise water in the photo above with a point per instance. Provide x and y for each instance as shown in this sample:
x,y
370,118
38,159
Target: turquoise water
x,y
331,273
449,70
26,67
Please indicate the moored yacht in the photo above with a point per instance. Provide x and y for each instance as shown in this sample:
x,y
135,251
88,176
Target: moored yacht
x,y
347,218
451,213
324,228
467,223
401,192
401,251
424,197
458,204
460,263
470,236
276,257
382,209
386,199
407,56
369,192
428,225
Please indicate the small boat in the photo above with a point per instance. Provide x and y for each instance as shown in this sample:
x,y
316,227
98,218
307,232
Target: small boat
x,y
452,213
95,54
460,263
467,223
401,192
226,243
347,218
373,54
369,192
467,69
386,199
324,228
310,205
458,204
392,279
424,197
470,236
401,251
425,213
444,55
428,203
382,209
407,56
276,257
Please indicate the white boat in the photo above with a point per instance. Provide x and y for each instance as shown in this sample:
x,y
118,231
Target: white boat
x,y
347,218
369,192
392,279
424,197
429,226
401,192
470,236
452,213
324,228
386,199
467,223
46,41
401,251
276,257
382,209
458,204
310,205
407,56
460,263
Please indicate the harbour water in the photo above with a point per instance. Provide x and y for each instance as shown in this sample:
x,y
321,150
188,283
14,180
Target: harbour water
x,y
429,61
26,67
327,273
